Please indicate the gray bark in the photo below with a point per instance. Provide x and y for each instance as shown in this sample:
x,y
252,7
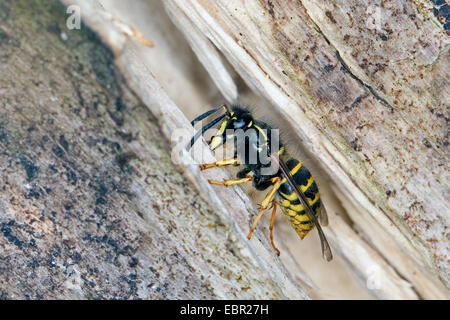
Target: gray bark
x,y
91,205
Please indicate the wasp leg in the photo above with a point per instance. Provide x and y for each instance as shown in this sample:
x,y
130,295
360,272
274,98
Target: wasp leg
x,y
272,220
264,205
263,185
228,183
244,172
272,180
220,163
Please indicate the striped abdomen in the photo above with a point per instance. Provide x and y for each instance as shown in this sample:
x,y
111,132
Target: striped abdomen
x,y
289,202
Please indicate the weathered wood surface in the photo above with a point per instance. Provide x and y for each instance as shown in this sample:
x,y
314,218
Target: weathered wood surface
x,y
369,101
149,253
382,266
91,205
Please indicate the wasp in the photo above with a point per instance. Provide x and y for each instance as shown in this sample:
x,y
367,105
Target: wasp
x,y
292,186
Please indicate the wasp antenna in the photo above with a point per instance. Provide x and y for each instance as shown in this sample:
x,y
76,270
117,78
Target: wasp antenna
x,y
207,113
202,130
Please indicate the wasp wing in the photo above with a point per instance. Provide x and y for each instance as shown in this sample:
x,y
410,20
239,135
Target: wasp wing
x,y
326,250
323,216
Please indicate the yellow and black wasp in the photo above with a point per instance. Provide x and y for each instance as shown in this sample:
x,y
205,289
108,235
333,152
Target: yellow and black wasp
x,y
295,189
